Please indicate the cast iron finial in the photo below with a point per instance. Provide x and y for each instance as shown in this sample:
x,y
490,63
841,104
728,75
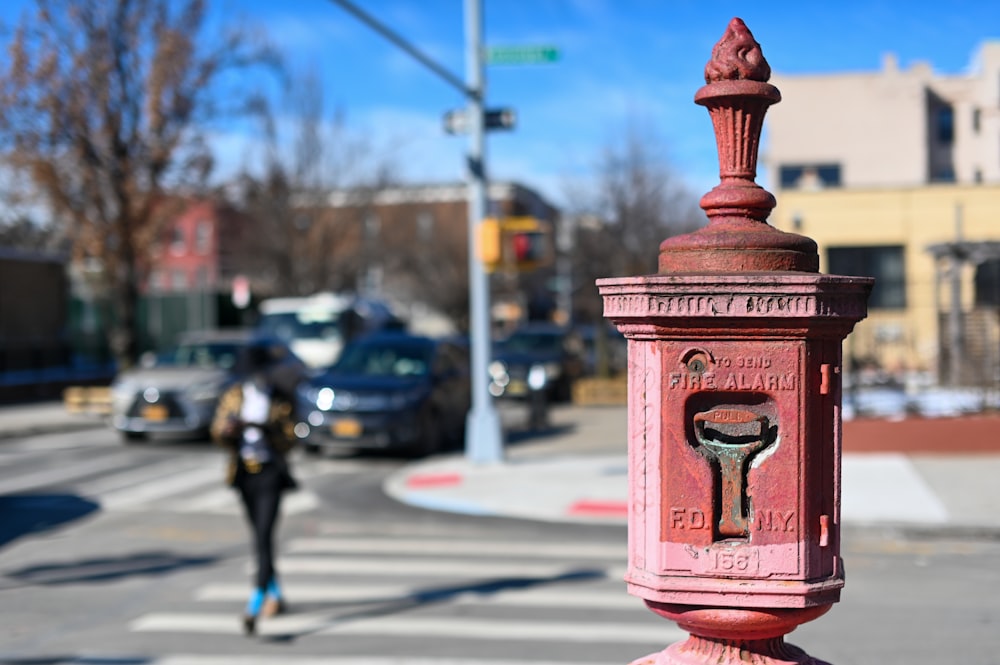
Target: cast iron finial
x,y
738,237
737,56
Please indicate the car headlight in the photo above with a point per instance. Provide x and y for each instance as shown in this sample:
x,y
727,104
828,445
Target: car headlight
x,y
540,374
498,372
324,398
537,377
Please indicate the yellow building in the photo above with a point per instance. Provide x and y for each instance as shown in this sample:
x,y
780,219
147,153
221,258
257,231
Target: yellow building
x,y
895,173
889,233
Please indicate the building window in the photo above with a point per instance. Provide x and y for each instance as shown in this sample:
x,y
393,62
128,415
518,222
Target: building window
x,y
943,173
976,120
203,236
178,243
945,119
810,176
425,226
178,280
201,277
372,226
156,279
987,283
884,263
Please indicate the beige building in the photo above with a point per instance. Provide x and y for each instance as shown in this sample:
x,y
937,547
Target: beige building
x,y
889,128
896,175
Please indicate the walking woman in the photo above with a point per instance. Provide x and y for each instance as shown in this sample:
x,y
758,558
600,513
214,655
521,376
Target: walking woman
x,y
255,422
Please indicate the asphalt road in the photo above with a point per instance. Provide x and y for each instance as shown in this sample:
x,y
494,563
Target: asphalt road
x,y
114,554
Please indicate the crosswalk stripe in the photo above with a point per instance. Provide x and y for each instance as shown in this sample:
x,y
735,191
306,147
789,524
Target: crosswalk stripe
x,y
564,596
468,628
410,626
339,660
452,547
148,492
224,500
311,565
65,473
138,476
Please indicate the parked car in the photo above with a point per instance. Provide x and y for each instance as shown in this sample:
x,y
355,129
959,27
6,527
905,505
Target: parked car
x,y
176,394
536,357
389,391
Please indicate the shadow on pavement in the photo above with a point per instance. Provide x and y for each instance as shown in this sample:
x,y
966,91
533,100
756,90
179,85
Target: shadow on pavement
x,y
432,595
520,435
107,568
35,513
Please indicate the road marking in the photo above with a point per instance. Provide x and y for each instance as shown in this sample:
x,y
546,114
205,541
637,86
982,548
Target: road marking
x,y
68,471
148,492
224,500
469,628
564,596
325,660
139,476
452,547
452,567
410,626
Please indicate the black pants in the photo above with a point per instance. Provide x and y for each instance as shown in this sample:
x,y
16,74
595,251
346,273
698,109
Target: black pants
x,y
261,495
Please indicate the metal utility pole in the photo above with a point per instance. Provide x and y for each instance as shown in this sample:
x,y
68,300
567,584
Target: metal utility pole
x,y
483,440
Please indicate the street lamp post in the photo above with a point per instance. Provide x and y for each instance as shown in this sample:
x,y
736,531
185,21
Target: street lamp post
x,y
483,441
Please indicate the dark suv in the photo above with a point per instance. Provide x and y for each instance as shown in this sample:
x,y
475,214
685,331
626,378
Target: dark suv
x,y
536,357
389,391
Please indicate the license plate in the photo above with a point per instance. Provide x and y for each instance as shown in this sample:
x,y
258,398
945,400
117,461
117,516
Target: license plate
x,y
517,388
154,412
347,428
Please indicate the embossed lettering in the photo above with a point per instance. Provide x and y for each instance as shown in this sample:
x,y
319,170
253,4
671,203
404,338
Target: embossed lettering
x,y
753,362
735,562
686,381
776,520
758,381
688,518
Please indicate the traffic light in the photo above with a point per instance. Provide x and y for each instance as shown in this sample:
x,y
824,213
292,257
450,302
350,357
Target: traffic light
x,y
529,247
527,243
514,243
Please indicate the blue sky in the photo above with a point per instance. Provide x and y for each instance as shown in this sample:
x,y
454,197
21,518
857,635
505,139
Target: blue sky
x,y
619,60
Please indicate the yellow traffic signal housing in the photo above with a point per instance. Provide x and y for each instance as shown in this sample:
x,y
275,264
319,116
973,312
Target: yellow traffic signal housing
x,y
490,244
520,243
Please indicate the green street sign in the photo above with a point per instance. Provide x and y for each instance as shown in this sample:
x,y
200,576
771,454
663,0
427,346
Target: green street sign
x,y
520,55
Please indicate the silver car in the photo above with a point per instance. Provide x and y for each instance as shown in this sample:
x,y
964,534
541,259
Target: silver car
x,y
178,393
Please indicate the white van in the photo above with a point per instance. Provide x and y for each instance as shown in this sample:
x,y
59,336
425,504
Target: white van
x,y
317,327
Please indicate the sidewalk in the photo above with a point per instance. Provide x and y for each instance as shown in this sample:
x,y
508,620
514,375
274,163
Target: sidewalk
x,y
936,474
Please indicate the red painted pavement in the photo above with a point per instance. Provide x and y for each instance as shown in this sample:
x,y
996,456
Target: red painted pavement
x,y
934,436
434,480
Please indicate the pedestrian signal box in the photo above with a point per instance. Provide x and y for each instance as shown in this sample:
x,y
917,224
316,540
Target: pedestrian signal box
x,y
529,246
515,243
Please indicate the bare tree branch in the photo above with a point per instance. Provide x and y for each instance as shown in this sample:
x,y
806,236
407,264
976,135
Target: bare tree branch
x,y
102,105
